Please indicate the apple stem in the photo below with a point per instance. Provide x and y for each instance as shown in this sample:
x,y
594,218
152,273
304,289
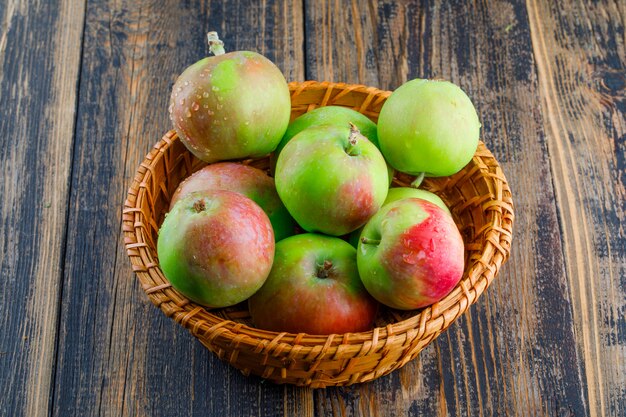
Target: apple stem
x,y
322,270
418,180
199,206
369,241
216,46
353,140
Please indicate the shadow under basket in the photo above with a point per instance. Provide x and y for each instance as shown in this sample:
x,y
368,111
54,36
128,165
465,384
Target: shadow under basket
x,y
478,197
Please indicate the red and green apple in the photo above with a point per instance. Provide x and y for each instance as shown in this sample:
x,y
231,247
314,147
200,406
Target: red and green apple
x,y
332,116
249,181
411,254
331,179
400,193
216,247
230,106
313,287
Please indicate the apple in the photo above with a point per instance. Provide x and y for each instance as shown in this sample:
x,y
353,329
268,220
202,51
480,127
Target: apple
x,y
331,179
230,106
314,288
428,127
334,116
249,181
330,115
216,247
411,254
399,193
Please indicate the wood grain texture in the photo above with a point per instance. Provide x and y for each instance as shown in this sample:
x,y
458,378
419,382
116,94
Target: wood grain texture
x,y
118,355
349,57
77,334
581,62
40,46
514,352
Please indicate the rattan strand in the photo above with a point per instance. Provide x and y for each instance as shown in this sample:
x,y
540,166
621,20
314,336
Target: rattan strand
x,y
478,197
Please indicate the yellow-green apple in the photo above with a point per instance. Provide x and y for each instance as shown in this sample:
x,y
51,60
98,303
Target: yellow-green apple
x,y
249,181
230,106
330,115
314,288
333,116
216,247
411,254
331,179
428,127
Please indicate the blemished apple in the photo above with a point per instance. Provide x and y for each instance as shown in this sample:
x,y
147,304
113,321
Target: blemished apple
x,y
230,106
216,247
314,287
331,179
411,254
249,181
400,193
428,127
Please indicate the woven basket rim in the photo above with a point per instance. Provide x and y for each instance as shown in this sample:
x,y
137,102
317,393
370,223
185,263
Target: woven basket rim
x,y
431,319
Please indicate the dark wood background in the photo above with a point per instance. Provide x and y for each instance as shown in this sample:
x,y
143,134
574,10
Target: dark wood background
x,y
84,87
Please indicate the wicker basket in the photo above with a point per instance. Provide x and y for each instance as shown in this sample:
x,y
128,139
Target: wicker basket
x,y
478,197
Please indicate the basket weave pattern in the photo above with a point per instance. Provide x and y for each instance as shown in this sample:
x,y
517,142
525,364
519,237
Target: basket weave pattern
x,y
478,197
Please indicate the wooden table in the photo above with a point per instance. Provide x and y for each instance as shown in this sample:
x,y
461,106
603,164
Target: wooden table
x,y
84,87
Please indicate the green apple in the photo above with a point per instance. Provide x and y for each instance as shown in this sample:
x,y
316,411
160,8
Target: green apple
x,y
331,179
330,115
428,127
334,116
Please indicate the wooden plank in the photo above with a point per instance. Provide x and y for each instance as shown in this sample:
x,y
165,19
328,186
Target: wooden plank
x,y
581,63
514,351
40,45
118,355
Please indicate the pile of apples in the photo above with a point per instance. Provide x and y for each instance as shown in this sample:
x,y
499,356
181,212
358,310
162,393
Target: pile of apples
x,y
317,246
